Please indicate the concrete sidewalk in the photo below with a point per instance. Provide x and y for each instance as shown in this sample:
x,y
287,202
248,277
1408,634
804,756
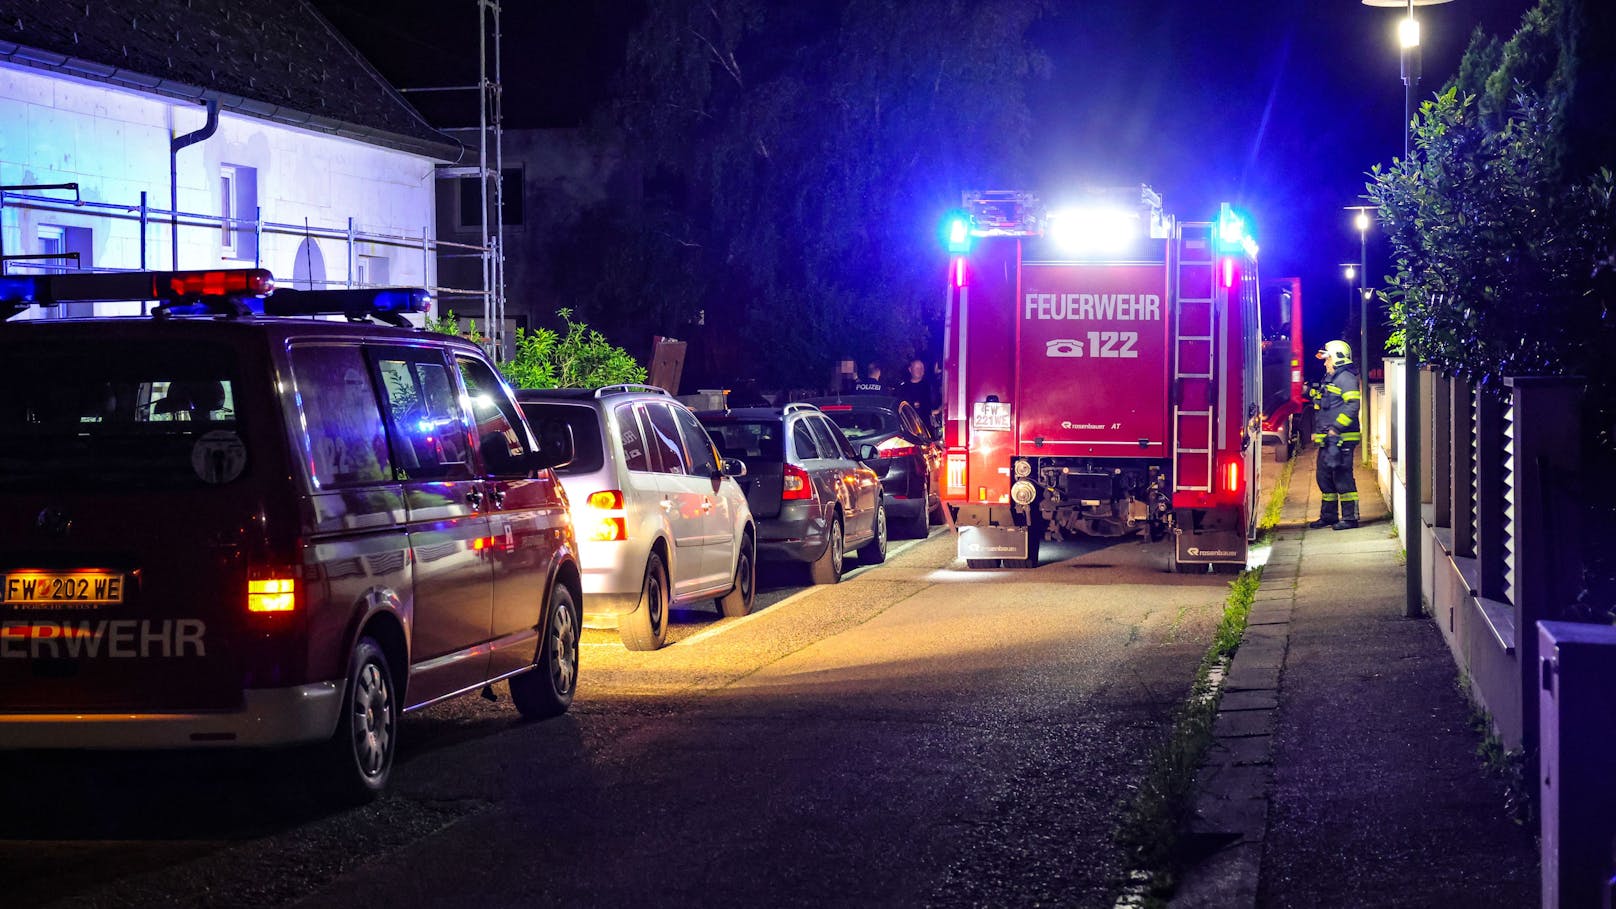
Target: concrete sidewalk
x,y
1344,770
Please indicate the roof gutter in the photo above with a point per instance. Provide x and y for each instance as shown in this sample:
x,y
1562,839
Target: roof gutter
x,y
448,151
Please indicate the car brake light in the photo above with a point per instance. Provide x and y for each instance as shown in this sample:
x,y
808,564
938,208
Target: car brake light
x,y
895,447
606,521
275,592
832,408
795,485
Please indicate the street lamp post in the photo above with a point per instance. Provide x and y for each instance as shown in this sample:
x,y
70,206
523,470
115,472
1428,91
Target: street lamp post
x,y
1408,38
1361,222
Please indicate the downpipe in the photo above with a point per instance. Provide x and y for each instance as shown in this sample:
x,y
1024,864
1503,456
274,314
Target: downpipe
x,y
174,146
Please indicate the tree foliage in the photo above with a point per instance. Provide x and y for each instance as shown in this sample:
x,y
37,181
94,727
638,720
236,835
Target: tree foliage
x,y
581,357
1499,245
797,160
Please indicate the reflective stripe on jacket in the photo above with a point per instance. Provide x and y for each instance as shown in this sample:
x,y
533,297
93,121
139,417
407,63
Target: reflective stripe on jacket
x,y
1338,405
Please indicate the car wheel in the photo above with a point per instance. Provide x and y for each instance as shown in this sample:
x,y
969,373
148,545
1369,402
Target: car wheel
x,y
546,690
738,601
875,551
646,628
936,509
827,569
360,752
918,526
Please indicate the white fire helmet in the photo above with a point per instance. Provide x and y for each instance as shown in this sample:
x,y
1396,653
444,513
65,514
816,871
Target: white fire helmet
x,y
1335,352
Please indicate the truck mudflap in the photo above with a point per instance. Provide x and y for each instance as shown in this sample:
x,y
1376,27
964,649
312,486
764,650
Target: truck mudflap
x,y
992,542
1209,537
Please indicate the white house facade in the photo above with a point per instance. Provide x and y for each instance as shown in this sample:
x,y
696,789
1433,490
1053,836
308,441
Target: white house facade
x,y
85,167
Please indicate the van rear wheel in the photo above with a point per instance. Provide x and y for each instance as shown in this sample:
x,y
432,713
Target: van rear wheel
x,y
359,755
546,690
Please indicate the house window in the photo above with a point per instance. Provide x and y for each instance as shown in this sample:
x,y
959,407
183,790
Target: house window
x,y
61,242
471,214
238,211
371,271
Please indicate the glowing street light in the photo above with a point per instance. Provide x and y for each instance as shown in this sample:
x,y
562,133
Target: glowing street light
x,y
1408,37
1361,222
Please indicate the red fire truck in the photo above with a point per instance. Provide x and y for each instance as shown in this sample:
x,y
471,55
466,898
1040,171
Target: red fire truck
x,y
1102,376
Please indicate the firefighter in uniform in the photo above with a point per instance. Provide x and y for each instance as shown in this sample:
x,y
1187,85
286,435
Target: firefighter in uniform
x,y
1338,436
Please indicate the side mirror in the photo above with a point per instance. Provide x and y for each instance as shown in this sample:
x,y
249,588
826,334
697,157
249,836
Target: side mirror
x,y
868,452
732,467
556,447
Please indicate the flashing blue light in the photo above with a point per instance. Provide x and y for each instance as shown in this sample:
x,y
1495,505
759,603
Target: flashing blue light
x,y
957,230
18,290
400,299
1234,231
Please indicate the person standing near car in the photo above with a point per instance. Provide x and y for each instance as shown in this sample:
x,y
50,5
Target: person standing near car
x,y
871,383
1337,403
918,391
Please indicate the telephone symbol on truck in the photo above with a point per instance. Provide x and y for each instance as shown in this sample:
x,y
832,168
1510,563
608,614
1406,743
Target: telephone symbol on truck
x,y
1100,344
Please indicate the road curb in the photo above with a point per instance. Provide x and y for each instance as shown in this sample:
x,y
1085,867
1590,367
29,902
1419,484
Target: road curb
x,y
1234,784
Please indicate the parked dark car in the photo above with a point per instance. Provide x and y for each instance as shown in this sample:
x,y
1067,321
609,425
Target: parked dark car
x,y
908,458
266,531
812,497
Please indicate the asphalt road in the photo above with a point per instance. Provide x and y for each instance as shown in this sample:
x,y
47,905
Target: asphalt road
x,y
916,735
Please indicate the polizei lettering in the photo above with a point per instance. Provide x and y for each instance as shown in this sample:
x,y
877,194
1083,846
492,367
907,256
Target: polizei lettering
x,y
1119,307
118,639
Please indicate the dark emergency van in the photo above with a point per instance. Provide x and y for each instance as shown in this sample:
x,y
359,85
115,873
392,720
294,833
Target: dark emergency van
x,y
224,525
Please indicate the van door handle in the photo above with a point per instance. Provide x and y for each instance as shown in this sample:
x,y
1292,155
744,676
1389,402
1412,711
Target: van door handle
x,y
475,498
497,496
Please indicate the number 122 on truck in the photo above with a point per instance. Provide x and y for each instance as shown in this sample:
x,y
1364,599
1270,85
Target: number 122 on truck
x,y
1102,377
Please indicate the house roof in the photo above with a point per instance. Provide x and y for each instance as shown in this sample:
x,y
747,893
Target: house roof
x,y
276,60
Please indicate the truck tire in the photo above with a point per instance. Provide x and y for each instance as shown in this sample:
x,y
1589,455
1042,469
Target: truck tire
x,y
1035,537
981,564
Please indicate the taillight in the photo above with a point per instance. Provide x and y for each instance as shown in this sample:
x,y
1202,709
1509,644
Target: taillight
x,y
795,484
272,590
955,480
1229,476
604,520
895,447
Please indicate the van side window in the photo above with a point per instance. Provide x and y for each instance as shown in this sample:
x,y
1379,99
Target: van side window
x,y
636,453
501,435
703,460
427,427
343,440
666,446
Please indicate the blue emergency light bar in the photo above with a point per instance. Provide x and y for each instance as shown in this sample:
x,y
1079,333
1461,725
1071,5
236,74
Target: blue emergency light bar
x,y
229,292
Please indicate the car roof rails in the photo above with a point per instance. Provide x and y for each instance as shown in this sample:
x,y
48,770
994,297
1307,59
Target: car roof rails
x,y
230,292
798,406
625,388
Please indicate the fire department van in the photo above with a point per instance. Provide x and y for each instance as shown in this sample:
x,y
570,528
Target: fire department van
x,y
1102,377
221,526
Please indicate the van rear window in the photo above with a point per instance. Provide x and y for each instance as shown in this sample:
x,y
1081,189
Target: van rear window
x,y
119,415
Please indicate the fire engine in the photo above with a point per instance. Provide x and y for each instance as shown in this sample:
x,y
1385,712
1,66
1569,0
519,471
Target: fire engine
x,y
1103,376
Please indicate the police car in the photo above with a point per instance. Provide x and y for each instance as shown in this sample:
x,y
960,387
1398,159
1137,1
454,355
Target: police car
x,y
222,525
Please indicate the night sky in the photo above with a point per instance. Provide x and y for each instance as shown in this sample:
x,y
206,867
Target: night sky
x,y
1280,107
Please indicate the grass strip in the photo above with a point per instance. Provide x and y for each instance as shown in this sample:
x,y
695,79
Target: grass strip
x,y
1150,832
1276,499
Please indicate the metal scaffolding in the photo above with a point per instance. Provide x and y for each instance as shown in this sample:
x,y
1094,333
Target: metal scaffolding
x,y
489,173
